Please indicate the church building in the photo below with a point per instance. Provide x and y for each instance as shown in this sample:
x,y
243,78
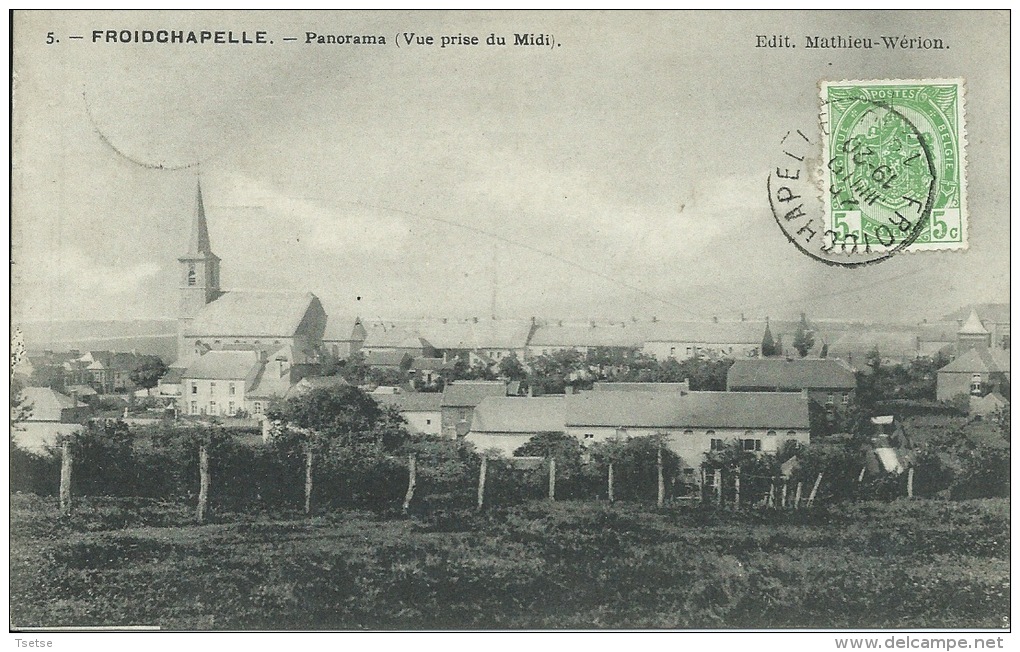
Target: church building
x,y
239,349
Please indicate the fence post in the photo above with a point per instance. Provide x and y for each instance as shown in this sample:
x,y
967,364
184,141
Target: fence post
x,y
66,464
309,460
704,480
412,479
203,482
910,482
660,496
860,476
772,494
784,494
718,487
612,497
796,499
814,490
481,483
736,489
552,478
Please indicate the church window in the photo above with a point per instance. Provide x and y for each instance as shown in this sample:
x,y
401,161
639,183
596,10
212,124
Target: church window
x,y
191,274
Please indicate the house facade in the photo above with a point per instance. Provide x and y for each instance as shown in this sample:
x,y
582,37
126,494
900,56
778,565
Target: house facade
x,y
976,372
422,410
712,339
691,424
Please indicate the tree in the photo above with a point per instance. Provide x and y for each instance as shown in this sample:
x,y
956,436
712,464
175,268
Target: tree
x,y
768,345
511,368
148,372
804,337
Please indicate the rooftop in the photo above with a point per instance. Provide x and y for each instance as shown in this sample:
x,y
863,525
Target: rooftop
x,y
793,374
258,314
503,414
469,393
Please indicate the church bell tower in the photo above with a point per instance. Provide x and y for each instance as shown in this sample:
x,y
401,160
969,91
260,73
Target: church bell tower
x,y
199,275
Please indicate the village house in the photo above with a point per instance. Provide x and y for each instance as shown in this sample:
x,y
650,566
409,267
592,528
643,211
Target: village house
x,y
709,339
51,415
219,382
692,424
421,410
478,341
460,398
505,423
828,382
583,337
394,337
993,317
977,372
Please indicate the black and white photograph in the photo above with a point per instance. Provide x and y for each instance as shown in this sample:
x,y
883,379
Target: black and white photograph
x,y
510,321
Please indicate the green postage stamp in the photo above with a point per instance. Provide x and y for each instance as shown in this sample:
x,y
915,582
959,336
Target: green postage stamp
x,y
893,169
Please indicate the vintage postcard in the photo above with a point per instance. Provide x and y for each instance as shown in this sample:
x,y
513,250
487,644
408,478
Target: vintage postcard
x,y
512,320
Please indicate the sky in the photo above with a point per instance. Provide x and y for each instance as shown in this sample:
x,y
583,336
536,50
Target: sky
x,y
620,173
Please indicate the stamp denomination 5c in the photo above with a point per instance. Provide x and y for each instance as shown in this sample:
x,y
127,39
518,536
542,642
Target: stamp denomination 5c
x,y
894,165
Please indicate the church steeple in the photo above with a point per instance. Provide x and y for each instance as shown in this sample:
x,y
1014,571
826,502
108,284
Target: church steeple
x,y
199,243
199,273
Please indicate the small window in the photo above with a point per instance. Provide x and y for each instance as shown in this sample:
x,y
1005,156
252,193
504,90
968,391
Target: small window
x,y
194,388
975,384
688,433
428,422
771,433
212,407
751,444
830,399
689,352
791,433
230,408
846,398
194,407
717,445
672,351
191,274
212,387
589,435
232,389
257,407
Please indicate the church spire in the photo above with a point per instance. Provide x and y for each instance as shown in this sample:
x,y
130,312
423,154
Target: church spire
x,y
199,242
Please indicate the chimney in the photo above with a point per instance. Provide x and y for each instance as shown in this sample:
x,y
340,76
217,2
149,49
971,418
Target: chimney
x,y
475,319
592,322
715,319
741,316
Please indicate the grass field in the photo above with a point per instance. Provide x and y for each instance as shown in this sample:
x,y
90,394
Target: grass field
x,y
565,565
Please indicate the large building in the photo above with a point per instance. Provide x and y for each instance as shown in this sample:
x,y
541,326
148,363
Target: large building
x,y
828,382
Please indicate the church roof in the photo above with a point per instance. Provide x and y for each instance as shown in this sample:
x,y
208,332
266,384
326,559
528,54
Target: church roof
x,y
973,325
253,314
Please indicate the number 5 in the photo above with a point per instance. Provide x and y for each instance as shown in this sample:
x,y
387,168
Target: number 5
x,y
50,39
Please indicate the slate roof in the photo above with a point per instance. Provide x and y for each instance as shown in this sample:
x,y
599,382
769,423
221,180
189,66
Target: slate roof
x,y
412,401
253,314
693,410
980,360
707,332
47,404
618,335
472,335
469,393
973,325
502,414
399,337
223,365
386,358
790,374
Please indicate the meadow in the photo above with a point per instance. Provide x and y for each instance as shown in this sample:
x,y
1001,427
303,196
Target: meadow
x,y
535,565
